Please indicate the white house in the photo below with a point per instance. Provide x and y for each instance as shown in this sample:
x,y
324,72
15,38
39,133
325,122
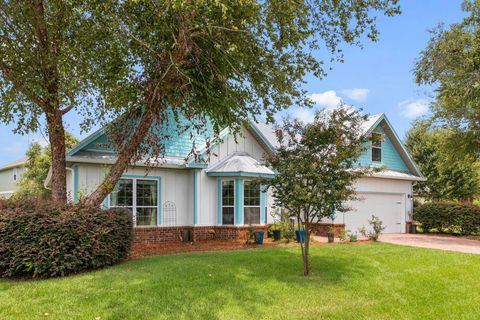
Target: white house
x,y
216,199
10,175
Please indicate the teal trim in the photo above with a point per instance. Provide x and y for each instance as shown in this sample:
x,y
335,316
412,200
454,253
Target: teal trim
x,y
159,193
263,204
195,197
414,165
239,201
75,183
197,165
410,160
240,174
219,201
94,136
391,158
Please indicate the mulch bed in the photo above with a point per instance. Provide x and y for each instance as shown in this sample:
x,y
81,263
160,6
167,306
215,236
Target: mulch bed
x,y
144,250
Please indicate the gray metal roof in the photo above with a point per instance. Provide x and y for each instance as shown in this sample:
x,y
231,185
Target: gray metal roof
x,y
239,163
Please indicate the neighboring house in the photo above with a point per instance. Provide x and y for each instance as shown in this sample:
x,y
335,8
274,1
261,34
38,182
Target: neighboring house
x,y
10,175
216,199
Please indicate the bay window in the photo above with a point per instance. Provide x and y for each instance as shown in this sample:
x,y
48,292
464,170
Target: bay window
x,y
251,203
228,202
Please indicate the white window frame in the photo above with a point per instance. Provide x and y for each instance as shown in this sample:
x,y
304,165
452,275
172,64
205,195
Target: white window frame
x,y
229,206
259,204
134,200
375,147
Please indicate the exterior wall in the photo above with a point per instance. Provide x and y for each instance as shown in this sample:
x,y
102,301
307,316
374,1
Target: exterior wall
x,y
7,184
390,156
176,186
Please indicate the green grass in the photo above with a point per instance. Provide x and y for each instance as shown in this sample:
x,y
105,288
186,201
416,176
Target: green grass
x,y
374,281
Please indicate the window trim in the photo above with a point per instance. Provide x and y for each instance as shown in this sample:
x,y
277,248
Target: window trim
x,y
234,206
134,200
376,147
250,206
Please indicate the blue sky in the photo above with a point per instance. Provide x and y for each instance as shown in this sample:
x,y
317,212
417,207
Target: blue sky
x,y
377,78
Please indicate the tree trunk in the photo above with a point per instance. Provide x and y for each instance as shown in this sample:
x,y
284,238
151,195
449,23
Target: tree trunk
x,y
56,136
306,254
125,155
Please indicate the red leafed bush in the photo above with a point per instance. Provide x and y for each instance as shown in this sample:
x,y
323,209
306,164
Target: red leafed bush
x,y
41,241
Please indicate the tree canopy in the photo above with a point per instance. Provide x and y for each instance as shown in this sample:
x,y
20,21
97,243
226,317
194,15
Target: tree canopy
x,y
451,62
316,167
55,56
221,62
452,173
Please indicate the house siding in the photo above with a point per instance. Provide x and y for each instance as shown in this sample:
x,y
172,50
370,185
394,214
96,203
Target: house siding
x,y
7,184
390,156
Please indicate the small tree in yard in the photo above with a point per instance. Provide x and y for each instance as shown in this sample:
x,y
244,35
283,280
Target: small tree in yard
x,y
316,168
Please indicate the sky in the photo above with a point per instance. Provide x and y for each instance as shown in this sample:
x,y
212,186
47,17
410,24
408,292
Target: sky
x,y
377,78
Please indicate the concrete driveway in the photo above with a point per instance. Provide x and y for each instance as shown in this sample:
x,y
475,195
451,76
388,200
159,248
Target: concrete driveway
x,y
433,242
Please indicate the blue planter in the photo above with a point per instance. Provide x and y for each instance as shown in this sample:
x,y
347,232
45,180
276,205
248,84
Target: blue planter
x,y
300,235
260,235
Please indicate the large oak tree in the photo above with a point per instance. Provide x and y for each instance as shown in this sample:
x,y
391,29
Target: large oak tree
x,y
222,62
53,55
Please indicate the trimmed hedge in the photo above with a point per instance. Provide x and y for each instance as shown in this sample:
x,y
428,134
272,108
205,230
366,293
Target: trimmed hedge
x,y
448,217
40,241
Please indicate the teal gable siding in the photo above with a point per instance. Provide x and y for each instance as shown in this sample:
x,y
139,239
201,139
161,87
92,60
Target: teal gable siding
x,y
178,136
390,156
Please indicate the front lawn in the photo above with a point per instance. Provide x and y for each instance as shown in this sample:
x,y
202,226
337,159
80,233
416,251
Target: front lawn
x,y
372,281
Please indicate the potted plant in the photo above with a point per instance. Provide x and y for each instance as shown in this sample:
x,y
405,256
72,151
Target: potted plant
x,y
276,230
330,235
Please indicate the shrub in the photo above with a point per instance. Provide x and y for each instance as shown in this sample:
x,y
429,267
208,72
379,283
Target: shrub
x,y
376,231
41,241
449,217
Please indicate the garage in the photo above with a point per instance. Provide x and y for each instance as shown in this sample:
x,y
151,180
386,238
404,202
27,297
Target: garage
x,y
388,207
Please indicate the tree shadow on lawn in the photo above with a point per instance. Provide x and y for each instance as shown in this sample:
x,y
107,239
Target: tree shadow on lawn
x,y
209,285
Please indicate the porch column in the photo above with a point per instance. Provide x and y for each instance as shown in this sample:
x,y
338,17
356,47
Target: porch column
x,y
195,197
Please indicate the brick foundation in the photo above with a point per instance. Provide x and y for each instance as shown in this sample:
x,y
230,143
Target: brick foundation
x,y
321,229
151,235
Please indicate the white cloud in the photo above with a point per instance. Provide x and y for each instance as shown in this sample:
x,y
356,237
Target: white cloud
x,y
413,108
14,148
357,94
304,115
328,99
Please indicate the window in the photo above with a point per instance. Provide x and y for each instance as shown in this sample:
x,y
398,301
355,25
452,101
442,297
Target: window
x,y
15,174
251,203
228,202
140,196
377,147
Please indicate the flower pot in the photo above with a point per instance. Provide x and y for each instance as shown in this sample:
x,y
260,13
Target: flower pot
x,y
300,235
260,235
277,235
331,237
413,228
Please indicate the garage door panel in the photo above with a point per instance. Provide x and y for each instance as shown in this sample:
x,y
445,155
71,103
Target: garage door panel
x,y
387,207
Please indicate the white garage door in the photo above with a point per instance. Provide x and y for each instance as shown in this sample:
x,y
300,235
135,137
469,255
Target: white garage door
x,y
387,207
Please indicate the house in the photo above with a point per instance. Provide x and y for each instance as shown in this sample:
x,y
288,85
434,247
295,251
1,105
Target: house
x,y
10,175
216,199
